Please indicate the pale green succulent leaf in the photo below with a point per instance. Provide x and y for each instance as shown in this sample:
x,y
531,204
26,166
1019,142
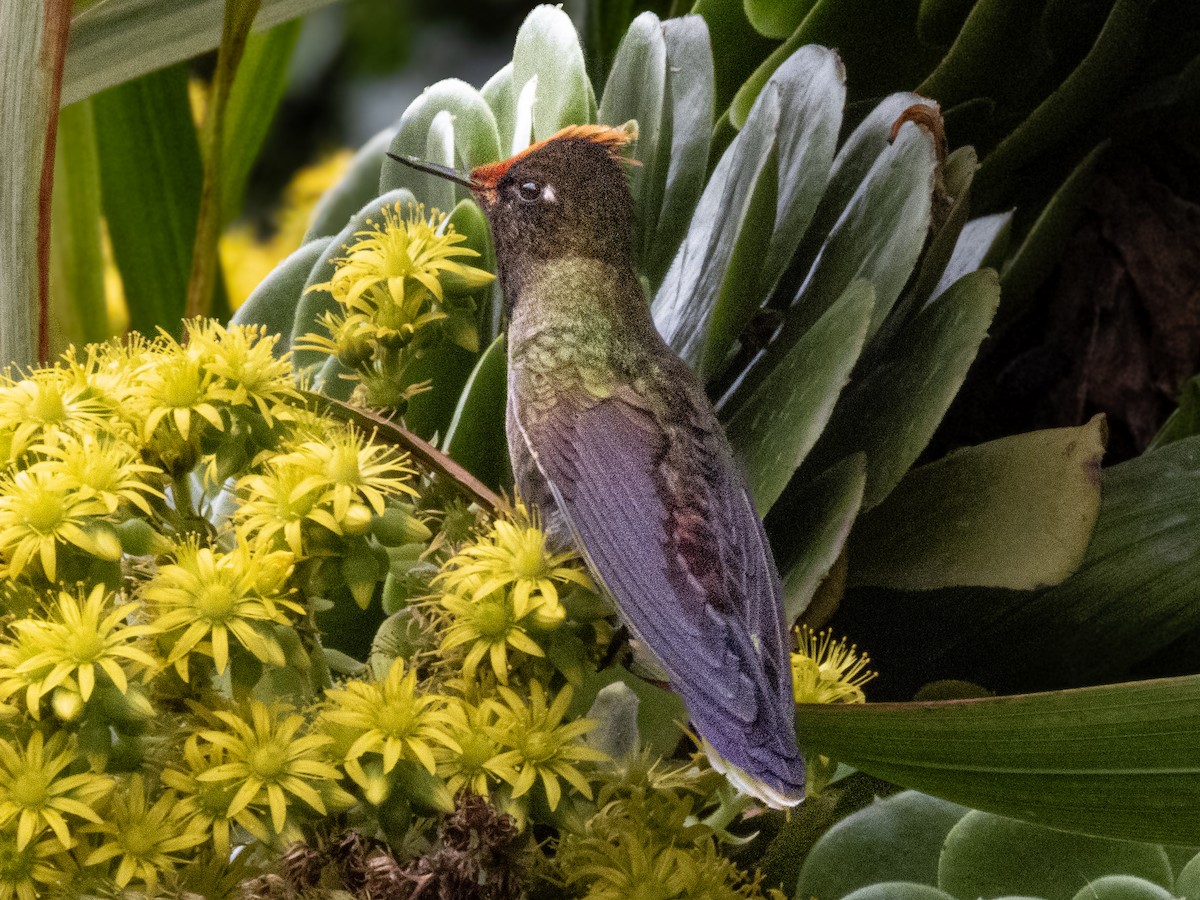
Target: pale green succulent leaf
x,y
497,92
118,40
893,410
661,715
987,855
777,18
453,124
898,838
475,436
1115,761
635,90
981,244
809,528
700,275
897,890
273,304
1014,513
358,185
547,49
684,141
777,426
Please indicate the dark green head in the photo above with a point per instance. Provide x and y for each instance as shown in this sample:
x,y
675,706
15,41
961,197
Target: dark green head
x,y
565,196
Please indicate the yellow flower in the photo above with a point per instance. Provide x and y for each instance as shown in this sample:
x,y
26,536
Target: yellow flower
x,y
389,718
490,625
48,401
278,504
268,762
243,357
98,467
27,873
35,792
207,802
209,596
84,635
516,552
148,839
540,746
346,467
37,513
175,386
467,767
827,671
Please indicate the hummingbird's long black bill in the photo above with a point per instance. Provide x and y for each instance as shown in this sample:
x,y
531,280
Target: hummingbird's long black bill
x,y
434,169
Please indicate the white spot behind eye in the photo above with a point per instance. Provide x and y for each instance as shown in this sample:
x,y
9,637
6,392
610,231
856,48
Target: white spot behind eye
x,y
548,194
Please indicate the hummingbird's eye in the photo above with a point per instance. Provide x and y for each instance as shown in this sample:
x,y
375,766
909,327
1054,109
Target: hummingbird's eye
x,y
529,191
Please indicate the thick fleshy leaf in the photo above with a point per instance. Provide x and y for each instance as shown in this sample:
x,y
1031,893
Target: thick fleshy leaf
x,y
1015,513
1142,548
893,411
1185,421
660,713
1124,887
737,48
684,140
447,367
451,124
809,527
635,90
358,185
548,49
734,208
497,92
988,855
895,839
32,37
314,304
274,302
981,244
777,426
1115,761
150,175
77,307
475,436
119,40
777,18
1042,247
895,890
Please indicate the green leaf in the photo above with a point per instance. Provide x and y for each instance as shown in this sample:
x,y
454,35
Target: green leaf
x,y
119,40
1187,885
635,90
1115,761
777,18
1123,887
987,855
981,244
31,49
77,302
314,304
1084,94
497,92
254,99
274,302
891,413
896,890
1015,512
447,367
357,186
1184,422
684,140
150,177
737,48
777,426
475,436
809,528
661,715
547,49
1043,246
465,136
896,839
732,209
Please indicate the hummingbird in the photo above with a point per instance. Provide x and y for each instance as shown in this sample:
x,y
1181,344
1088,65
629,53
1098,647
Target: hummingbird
x,y
614,440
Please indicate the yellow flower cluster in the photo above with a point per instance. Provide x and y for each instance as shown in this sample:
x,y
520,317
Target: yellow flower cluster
x,y
401,287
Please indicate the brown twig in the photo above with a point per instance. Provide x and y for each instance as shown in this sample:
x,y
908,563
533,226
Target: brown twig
x,y
423,451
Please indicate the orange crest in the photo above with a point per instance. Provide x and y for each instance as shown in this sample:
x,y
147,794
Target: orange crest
x,y
613,139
